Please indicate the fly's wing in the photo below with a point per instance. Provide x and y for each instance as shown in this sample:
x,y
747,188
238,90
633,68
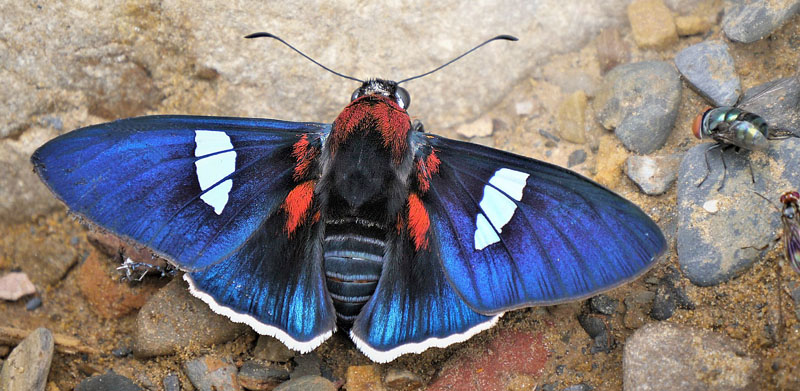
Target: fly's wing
x,y
205,193
513,232
791,237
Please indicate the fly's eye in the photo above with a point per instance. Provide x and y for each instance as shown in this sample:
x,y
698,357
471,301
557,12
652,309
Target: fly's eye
x,y
356,94
402,97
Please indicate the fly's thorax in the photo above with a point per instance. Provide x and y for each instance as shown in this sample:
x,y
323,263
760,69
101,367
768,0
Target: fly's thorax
x,y
716,116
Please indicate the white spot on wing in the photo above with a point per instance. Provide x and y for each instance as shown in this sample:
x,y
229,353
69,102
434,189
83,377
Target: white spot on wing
x,y
496,205
261,328
380,356
212,169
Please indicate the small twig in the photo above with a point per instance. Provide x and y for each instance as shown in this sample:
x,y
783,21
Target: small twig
x,y
64,343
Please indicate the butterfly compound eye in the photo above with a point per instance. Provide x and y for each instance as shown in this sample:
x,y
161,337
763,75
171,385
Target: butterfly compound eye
x,y
402,97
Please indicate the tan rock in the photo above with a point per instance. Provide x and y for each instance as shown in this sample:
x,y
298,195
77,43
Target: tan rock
x,y
572,117
691,25
652,24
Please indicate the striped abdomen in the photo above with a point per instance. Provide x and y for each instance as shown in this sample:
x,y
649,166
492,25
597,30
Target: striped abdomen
x,y
353,255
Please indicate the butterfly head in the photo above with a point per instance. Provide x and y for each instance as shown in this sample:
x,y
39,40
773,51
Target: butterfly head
x,y
385,88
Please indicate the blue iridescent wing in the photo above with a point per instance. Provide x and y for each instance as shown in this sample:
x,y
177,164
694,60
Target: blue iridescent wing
x,y
414,307
205,193
515,232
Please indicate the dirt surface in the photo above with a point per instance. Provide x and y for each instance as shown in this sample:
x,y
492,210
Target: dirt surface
x,y
740,309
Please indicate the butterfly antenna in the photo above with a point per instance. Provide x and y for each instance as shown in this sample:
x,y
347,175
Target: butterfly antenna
x,y
268,35
499,37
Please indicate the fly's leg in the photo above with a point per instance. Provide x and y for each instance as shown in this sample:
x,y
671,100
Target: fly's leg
x,y
708,166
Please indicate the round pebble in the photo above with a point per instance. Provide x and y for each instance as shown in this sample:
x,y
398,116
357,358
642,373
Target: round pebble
x,y
653,175
28,365
603,304
661,356
172,318
33,303
172,382
717,241
709,69
640,102
106,382
307,383
750,21
212,374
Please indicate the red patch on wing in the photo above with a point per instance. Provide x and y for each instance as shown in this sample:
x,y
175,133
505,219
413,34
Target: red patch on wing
x,y
383,115
418,221
426,168
297,205
305,154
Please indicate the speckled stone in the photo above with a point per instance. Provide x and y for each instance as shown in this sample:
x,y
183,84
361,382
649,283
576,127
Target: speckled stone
x,y
173,319
653,175
640,102
15,285
709,69
715,247
691,25
749,21
662,356
107,382
572,117
210,373
652,24
28,365
363,378
307,383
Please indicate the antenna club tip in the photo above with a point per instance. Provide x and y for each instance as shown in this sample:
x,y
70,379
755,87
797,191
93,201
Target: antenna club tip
x,y
260,35
507,37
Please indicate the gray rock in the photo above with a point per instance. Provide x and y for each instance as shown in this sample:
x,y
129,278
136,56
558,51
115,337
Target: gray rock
x,y
270,349
212,374
254,375
748,21
110,72
173,319
172,382
709,68
653,175
640,102
308,364
662,356
22,194
307,383
577,156
108,381
721,232
401,379
603,304
28,365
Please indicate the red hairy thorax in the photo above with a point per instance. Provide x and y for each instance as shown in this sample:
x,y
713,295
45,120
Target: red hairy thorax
x,y
374,112
418,222
305,154
297,205
427,167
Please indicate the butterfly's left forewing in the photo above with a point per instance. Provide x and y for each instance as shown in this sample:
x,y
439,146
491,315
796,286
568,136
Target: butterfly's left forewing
x,y
213,195
514,232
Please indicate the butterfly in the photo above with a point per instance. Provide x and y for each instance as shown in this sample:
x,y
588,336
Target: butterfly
x,y
406,239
